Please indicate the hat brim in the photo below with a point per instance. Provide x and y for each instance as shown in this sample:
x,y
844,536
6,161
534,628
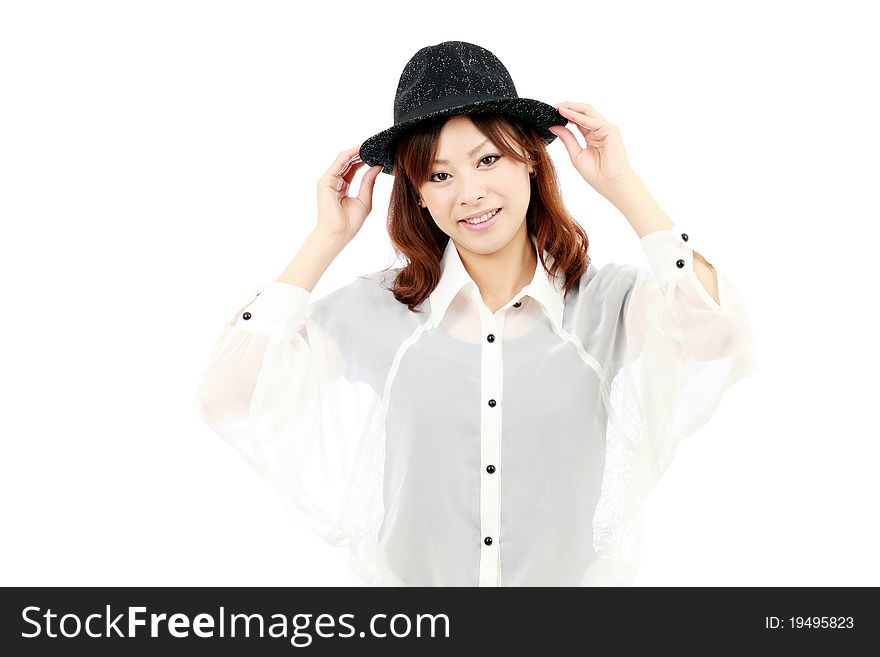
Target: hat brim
x,y
379,149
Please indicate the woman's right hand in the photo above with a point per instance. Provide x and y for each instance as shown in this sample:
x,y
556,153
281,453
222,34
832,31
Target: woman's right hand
x,y
339,214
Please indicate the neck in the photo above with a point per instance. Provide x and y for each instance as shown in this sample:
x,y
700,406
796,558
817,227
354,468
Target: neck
x,y
502,274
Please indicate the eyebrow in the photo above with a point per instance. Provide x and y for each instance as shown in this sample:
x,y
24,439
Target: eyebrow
x,y
469,154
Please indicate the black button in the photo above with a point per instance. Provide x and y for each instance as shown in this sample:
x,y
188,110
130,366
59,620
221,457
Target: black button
x,y
246,316
488,540
679,263
490,337
684,236
517,304
490,469
492,403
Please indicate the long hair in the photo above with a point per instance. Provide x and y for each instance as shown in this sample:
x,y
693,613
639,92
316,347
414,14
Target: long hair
x,y
416,237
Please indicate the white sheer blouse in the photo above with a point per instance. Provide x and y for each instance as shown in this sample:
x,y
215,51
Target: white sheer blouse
x,y
457,447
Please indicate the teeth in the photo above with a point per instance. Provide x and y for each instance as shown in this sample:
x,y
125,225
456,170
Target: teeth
x,y
480,220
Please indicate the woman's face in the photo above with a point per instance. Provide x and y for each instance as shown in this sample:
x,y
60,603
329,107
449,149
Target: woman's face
x,y
475,178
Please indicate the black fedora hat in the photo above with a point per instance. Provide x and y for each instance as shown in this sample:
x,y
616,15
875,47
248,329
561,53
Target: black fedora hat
x,y
455,77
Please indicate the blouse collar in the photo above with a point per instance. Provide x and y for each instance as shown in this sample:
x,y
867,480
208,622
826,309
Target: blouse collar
x,y
453,277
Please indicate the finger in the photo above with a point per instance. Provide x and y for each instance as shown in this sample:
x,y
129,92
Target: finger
x,y
581,119
365,193
591,128
354,159
350,166
340,163
571,143
339,180
343,181
583,108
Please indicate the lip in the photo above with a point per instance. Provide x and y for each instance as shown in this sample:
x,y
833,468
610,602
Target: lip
x,y
483,226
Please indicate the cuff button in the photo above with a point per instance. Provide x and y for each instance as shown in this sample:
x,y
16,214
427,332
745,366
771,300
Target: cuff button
x,y
246,316
679,263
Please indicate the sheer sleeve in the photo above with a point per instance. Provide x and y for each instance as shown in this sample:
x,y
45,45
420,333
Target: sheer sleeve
x,y
273,388
681,352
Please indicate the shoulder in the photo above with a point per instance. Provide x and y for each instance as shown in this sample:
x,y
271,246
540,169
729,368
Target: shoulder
x,y
609,281
597,314
383,278
374,285
367,298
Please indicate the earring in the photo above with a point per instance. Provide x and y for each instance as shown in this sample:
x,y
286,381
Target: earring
x,y
533,174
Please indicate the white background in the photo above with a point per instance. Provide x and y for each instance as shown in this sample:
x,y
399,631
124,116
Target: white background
x,y
159,164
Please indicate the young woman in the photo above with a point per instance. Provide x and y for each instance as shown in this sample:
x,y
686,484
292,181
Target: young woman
x,y
495,412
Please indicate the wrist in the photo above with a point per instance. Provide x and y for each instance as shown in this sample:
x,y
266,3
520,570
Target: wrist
x,y
623,187
327,241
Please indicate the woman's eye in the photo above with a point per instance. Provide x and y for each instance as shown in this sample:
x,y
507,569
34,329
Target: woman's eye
x,y
496,158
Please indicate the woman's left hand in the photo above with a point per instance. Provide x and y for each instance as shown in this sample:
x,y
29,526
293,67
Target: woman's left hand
x,y
603,163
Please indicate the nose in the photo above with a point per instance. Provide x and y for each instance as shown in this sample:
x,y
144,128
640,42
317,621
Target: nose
x,y
472,192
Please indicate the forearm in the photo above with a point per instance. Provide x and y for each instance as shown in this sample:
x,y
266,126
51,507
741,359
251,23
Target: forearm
x,y
645,215
312,260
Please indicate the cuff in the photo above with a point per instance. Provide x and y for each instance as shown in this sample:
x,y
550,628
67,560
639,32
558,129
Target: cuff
x,y
277,308
669,254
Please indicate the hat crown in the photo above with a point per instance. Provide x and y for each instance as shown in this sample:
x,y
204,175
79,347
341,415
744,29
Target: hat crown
x,y
450,78
449,75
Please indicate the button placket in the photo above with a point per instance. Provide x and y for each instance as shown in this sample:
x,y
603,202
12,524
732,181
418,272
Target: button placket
x,y
491,379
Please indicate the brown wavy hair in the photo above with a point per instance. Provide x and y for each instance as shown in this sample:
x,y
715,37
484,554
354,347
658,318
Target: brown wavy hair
x,y
416,237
